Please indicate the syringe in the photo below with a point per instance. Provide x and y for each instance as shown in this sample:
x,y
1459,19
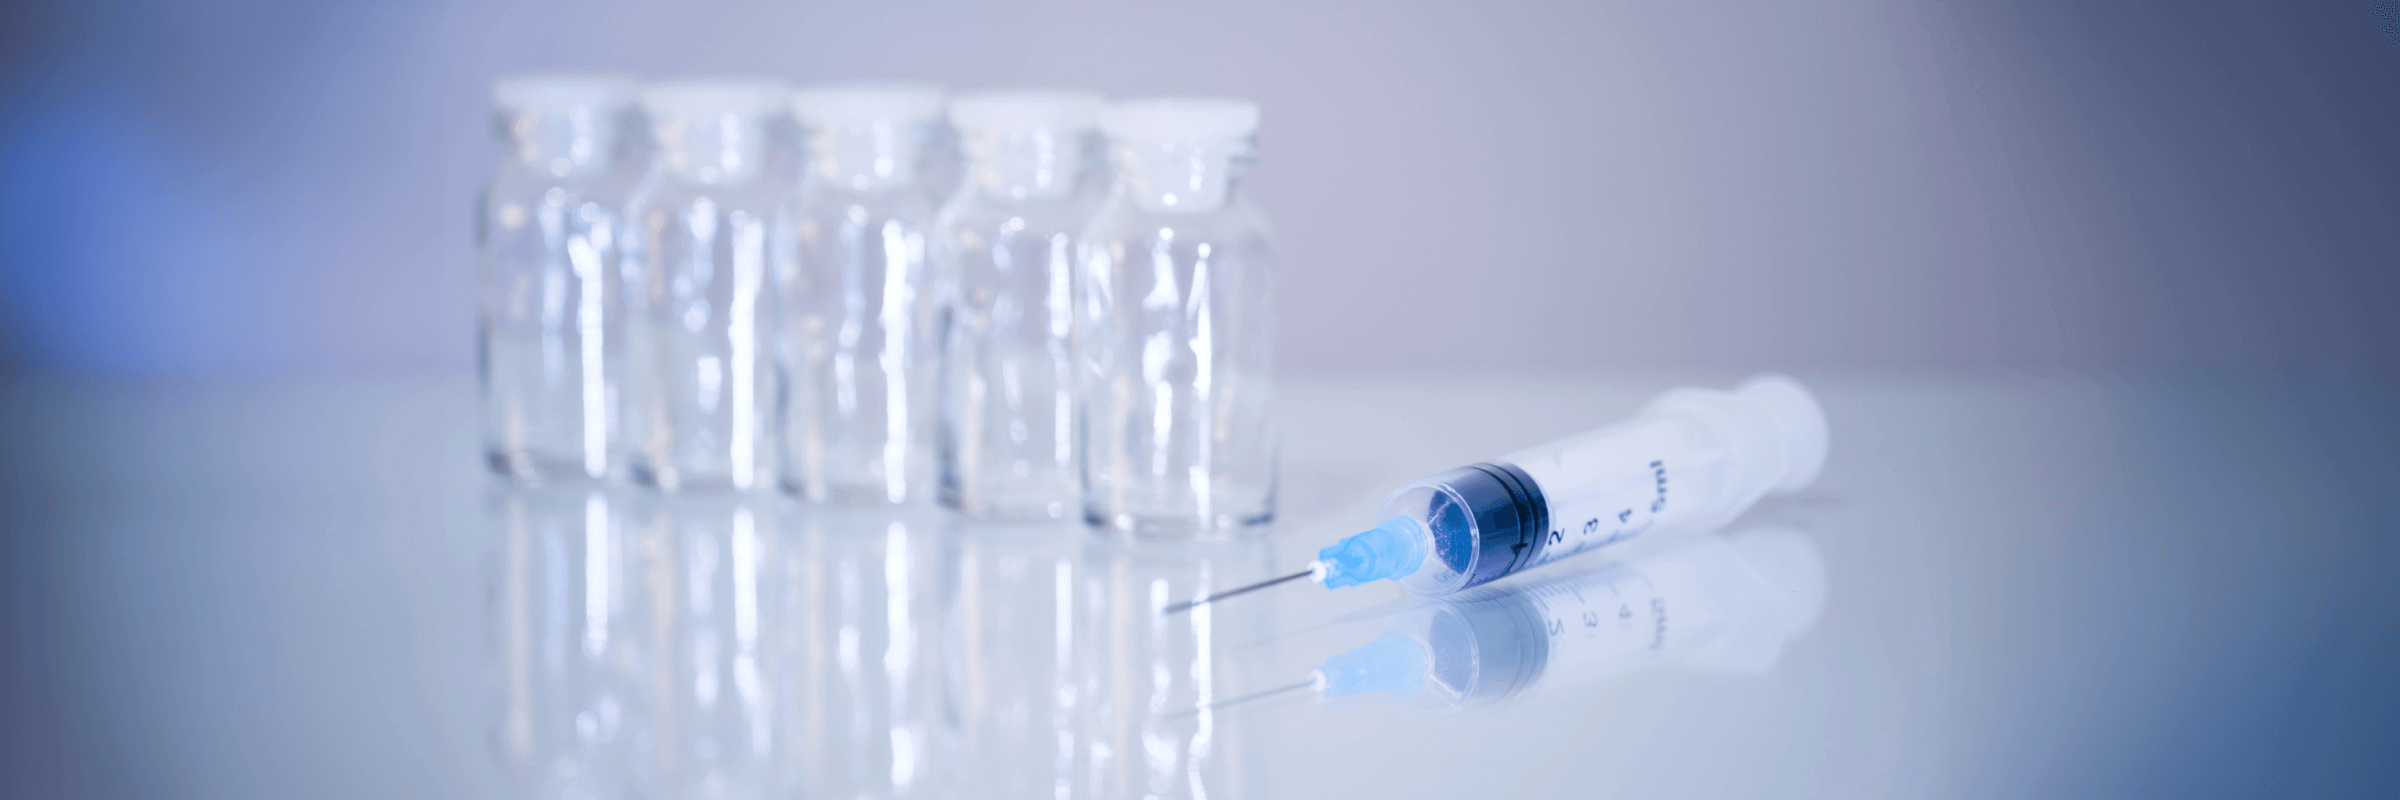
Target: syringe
x,y
1693,458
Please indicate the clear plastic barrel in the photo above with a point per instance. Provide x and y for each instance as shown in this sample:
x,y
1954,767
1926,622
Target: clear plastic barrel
x,y
1694,458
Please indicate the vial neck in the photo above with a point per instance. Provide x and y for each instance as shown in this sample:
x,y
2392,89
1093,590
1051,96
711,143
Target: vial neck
x,y
1037,164
713,149
561,142
876,156
1187,177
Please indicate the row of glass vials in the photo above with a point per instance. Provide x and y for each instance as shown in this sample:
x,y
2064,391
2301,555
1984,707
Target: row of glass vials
x,y
733,285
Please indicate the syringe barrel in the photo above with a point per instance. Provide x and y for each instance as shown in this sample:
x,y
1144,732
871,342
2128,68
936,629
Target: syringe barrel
x,y
1693,458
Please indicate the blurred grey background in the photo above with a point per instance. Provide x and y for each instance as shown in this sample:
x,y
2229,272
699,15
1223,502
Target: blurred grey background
x,y
277,187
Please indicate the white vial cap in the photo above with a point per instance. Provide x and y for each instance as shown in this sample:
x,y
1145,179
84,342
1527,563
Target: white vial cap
x,y
1026,110
749,97
563,91
901,103
1180,119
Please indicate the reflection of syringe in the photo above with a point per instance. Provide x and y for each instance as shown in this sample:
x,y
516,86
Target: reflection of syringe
x,y
1718,604
1693,459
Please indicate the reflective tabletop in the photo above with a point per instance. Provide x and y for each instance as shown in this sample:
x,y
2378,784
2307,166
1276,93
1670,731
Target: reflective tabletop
x,y
2004,585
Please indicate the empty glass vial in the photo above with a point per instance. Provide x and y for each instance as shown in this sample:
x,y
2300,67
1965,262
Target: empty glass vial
x,y
1175,323
859,327
548,236
1004,257
701,296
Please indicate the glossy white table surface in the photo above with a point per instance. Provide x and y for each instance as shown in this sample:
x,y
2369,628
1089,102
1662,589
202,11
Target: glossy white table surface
x,y
2031,586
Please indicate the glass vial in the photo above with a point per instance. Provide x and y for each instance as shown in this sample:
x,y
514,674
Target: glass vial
x,y
1004,250
1176,328
701,296
548,236
860,337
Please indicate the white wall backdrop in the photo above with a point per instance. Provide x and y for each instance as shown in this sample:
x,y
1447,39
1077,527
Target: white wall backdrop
x,y
280,186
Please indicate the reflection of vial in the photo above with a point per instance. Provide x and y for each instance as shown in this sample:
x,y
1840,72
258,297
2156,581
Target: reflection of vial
x,y
1150,682
713,601
1176,323
1010,657
570,641
548,234
1004,249
1716,604
863,701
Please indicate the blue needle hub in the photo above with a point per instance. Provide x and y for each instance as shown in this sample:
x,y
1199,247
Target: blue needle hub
x,y
1394,549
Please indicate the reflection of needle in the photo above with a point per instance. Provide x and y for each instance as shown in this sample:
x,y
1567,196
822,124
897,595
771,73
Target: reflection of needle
x,y
1242,699
1187,604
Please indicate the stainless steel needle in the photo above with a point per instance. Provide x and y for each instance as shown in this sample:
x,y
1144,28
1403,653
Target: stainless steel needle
x,y
1187,605
1242,699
